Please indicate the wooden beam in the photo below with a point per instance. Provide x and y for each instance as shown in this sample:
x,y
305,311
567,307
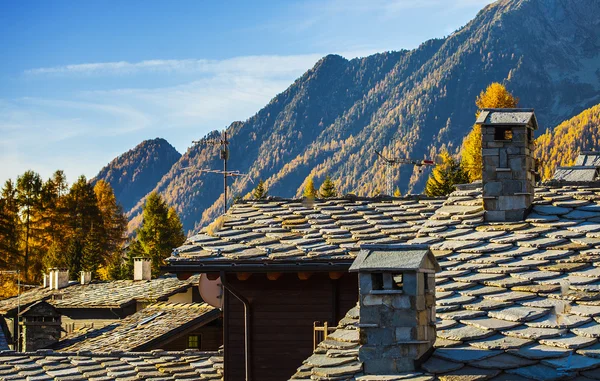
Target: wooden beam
x,y
243,276
304,275
335,275
273,276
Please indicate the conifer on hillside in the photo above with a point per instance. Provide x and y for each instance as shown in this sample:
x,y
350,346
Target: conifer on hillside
x,y
309,189
260,192
327,189
445,176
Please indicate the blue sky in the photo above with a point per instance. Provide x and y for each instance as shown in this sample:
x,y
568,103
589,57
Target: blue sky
x,y
84,81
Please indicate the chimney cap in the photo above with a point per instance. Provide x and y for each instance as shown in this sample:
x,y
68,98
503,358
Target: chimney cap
x,y
394,258
507,117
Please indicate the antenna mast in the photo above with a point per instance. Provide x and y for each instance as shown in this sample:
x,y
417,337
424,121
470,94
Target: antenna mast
x,y
224,154
389,164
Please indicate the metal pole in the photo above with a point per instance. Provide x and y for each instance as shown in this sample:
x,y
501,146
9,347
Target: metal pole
x,y
18,309
225,170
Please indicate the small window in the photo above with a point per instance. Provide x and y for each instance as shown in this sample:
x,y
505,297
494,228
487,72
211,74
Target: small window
x,y
377,281
397,284
194,341
529,135
503,133
426,277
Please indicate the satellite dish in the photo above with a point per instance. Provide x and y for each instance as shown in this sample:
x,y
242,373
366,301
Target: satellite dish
x,y
211,291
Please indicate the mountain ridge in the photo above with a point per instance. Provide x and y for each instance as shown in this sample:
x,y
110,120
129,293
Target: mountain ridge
x,y
408,103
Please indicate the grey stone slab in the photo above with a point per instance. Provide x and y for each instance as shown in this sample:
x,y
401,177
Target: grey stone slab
x,y
534,333
573,362
540,352
560,321
503,361
464,354
469,373
499,341
569,341
591,329
551,209
437,365
490,323
539,372
464,333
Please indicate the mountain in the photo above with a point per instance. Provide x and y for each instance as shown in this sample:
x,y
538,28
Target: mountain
x,y
562,145
408,103
136,172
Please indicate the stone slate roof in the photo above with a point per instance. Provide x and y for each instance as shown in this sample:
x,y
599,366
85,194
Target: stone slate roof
x,y
81,366
576,174
377,258
588,158
490,116
515,301
113,294
280,231
136,332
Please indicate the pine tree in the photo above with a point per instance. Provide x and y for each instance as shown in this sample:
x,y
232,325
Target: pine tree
x,y
309,189
29,188
327,189
495,96
9,227
397,192
260,192
93,251
160,233
114,222
445,176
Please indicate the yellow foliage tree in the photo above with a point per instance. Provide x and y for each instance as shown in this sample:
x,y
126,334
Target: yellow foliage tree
x,y
495,96
309,189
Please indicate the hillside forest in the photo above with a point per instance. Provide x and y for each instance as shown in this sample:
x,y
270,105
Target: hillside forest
x,y
81,227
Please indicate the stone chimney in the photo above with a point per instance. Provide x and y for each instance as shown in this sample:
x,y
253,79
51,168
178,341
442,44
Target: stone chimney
x,y
396,307
508,165
59,278
40,326
142,269
86,277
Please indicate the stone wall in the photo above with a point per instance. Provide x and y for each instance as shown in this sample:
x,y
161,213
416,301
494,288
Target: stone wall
x,y
508,173
38,335
396,327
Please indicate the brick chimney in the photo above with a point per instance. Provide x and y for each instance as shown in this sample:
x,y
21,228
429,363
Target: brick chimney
x,y
396,307
142,269
508,165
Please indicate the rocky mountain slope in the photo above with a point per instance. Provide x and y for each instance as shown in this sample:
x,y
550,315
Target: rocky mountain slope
x,y
562,145
407,103
136,172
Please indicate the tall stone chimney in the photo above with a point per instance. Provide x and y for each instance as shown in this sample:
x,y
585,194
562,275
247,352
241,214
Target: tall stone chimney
x,y
508,164
142,269
396,307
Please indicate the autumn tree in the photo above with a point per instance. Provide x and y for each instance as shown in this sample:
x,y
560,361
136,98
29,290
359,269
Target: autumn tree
x,y
309,189
160,233
445,176
327,189
9,227
29,189
260,192
397,192
495,96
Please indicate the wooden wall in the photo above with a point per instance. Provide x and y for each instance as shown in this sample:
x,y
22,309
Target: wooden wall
x,y
211,338
283,313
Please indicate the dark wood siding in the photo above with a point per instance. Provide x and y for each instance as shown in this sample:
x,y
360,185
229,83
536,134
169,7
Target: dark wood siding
x,y
211,338
283,312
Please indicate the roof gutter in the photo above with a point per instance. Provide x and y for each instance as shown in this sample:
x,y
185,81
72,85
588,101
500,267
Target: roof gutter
x,y
247,320
262,267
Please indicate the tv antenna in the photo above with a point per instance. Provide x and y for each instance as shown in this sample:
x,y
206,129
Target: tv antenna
x,y
224,154
389,168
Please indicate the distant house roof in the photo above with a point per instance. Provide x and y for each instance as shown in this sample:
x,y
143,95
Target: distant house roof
x,y
154,365
155,323
515,301
588,158
295,233
507,116
393,258
112,294
585,170
576,174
